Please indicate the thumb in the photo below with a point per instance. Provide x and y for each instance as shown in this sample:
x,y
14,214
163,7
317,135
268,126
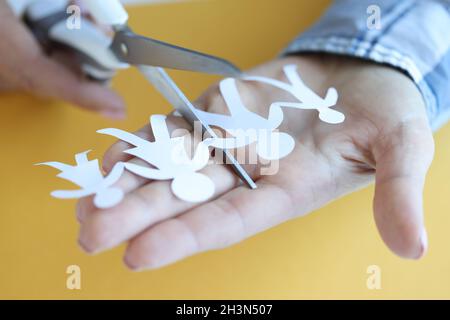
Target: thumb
x,y
402,161
48,77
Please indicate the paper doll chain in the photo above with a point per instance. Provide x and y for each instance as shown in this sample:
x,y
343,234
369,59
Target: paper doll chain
x,y
168,158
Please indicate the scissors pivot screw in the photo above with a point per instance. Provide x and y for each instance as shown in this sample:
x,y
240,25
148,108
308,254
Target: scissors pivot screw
x,y
124,48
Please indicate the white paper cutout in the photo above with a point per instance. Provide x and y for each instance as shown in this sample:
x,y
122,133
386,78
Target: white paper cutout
x,y
248,127
88,176
308,98
170,160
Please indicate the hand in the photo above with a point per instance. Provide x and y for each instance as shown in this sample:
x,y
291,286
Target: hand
x,y
24,66
385,136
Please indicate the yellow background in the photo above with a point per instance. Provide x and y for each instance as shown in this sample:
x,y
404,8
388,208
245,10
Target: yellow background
x,y
324,255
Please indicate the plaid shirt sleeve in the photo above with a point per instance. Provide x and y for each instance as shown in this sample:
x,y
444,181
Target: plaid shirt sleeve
x,y
414,36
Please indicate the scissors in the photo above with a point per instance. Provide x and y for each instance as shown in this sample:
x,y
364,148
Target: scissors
x,y
101,56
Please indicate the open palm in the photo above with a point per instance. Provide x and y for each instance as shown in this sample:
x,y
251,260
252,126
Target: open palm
x,y
385,136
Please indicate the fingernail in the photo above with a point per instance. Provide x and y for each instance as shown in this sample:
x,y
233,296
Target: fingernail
x,y
423,243
114,114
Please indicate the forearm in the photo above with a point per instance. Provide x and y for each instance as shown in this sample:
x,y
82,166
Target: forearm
x,y
412,37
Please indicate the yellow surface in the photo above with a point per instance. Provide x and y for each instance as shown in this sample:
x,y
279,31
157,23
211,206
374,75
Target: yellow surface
x,y
324,255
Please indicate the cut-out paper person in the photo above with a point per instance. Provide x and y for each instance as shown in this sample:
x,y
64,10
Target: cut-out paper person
x,y
169,159
248,127
308,99
88,176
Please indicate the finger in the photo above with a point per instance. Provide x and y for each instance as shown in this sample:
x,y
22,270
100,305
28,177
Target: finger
x,y
235,216
126,183
299,188
141,208
221,175
46,77
402,160
149,195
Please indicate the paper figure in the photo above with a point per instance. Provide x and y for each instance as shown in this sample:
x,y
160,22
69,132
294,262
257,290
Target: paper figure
x,y
308,99
170,160
88,176
248,127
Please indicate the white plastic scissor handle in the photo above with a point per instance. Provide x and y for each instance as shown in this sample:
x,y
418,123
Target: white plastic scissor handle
x,y
108,12
48,20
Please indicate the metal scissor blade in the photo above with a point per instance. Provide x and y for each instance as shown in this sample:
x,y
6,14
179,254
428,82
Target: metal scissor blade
x,y
138,50
167,87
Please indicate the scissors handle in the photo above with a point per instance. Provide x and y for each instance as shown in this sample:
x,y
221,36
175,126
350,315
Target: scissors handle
x,y
50,22
99,55
110,12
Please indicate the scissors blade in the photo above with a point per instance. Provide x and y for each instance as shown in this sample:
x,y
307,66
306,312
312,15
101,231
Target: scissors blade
x,y
138,50
167,87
